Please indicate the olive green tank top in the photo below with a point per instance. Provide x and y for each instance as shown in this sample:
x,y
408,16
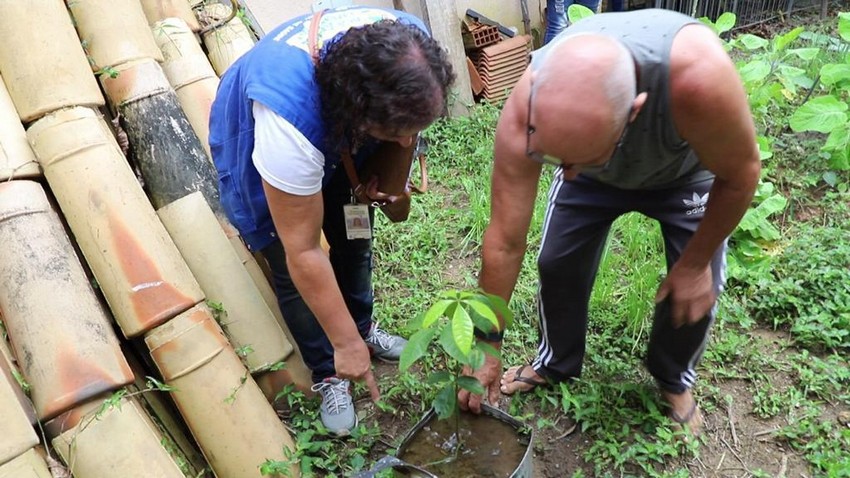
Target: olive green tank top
x,y
653,155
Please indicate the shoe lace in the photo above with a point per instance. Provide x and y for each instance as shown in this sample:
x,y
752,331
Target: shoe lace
x,y
382,338
334,395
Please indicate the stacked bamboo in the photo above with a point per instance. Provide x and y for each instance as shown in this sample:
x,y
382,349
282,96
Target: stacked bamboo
x,y
156,272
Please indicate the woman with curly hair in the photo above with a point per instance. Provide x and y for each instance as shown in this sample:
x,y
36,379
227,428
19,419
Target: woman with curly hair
x,y
280,121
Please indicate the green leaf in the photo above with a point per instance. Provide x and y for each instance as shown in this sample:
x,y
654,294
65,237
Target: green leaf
x,y
772,205
499,305
838,139
791,77
831,74
447,342
416,347
807,54
822,114
844,26
436,311
755,219
753,42
471,384
476,358
576,12
840,160
489,349
445,403
781,42
481,306
462,330
830,178
438,377
754,71
725,22
765,150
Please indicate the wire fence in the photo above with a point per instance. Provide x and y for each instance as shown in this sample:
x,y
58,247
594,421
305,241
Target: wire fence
x,y
748,12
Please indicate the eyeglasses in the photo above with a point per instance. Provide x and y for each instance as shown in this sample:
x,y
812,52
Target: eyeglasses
x,y
543,158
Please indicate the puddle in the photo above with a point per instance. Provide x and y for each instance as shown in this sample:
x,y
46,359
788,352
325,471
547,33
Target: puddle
x,y
491,448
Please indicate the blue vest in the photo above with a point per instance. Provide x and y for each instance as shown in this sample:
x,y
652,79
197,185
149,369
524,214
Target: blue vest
x,y
279,73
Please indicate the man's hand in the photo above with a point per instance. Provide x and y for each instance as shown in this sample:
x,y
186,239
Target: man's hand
x,y
488,375
354,363
691,293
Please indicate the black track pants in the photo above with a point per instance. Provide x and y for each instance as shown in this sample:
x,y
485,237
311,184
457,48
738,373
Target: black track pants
x,y
578,218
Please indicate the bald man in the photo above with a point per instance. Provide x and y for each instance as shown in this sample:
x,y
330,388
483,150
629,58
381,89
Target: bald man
x,y
636,111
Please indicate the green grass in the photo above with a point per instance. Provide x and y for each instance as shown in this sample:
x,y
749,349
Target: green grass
x,y
800,289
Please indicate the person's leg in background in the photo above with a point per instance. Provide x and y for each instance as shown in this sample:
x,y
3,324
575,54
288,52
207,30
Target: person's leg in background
x,y
556,18
556,15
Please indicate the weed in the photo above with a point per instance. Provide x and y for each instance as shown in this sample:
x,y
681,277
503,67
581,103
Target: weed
x,y
109,71
315,451
230,399
22,382
823,441
808,290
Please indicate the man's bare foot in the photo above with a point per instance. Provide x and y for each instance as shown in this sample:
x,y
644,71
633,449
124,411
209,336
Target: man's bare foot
x,y
520,378
685,412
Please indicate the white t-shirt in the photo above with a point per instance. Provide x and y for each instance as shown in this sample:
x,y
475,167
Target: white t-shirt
x,y
283,156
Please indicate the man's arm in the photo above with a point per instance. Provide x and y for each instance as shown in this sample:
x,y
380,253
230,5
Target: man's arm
x,y
711,112
513,191
298,220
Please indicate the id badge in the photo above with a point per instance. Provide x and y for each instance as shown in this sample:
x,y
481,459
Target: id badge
x,y
357,221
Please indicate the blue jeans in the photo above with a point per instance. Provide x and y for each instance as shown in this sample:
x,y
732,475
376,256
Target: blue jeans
x,y
352,264
556,15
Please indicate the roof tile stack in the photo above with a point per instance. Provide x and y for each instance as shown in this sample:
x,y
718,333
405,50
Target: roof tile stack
x,y
500,65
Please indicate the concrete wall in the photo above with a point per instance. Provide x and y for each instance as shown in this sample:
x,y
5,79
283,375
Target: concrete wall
x,y
269,13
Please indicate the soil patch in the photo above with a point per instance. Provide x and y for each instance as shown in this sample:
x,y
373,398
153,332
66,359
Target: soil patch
x,y
735,441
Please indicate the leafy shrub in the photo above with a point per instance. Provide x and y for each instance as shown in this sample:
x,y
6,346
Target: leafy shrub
x,y
808,289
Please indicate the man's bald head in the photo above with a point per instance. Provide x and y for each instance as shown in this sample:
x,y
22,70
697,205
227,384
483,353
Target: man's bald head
x,y
588,82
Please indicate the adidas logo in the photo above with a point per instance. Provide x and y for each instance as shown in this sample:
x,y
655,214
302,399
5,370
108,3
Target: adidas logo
x,y
696,204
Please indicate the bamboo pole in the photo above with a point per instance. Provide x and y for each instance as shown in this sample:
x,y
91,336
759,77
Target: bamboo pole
x,y
17,160
245,318
107,437
72,353
189,71
156,10
193,355
30,464
43,64
162,143
18,435
228,42
114,31
135,262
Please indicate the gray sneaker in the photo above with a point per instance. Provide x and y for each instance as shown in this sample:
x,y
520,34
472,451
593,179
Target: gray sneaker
x,y
383,345
337,410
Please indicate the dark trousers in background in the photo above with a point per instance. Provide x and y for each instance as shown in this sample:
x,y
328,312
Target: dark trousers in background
x,y
352,264
578,218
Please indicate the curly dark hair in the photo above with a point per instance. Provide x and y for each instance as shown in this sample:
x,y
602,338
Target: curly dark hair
x,y
388,75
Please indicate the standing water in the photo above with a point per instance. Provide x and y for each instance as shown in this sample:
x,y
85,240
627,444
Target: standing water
x,y
489,447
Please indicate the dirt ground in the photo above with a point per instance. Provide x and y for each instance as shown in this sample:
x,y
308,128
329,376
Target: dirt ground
x,y
735,442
